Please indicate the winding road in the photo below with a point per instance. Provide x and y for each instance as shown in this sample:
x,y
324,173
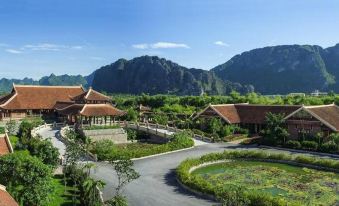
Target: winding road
x,y
157,185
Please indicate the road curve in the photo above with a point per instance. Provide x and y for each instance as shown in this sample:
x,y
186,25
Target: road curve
x,y
157,184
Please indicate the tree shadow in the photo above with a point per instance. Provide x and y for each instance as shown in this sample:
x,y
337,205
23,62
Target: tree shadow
x,y
171,180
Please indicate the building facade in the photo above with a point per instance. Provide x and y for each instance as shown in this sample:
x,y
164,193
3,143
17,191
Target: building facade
x,y
65,103
299,119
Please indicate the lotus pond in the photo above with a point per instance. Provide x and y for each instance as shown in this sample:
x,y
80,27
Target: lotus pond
x,y
309,186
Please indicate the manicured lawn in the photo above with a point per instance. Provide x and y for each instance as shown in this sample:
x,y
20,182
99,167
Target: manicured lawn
x,y
309,186
60,197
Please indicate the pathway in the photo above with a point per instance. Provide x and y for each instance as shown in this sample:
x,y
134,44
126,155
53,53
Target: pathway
x,y
54,135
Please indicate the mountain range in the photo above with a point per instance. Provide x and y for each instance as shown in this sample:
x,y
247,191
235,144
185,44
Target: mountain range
x,y
269,70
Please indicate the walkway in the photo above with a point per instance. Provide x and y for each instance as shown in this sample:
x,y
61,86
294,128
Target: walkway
x,y
54,135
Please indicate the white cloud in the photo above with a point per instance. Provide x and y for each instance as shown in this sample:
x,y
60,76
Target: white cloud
x,y
49,47
221,43
160,45
44,47
77,47
13,51
167,45
140,46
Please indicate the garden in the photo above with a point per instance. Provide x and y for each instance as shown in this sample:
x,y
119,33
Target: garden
x,y
107,150
260,178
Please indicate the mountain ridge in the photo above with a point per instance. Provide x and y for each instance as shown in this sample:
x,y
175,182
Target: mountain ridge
x,y
280,69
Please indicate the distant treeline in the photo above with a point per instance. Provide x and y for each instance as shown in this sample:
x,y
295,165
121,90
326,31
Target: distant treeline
x,y
191,104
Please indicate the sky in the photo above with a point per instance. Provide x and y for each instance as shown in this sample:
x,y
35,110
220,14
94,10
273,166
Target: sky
x,y
40,37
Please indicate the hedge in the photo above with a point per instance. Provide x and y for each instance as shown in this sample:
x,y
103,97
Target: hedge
x,y
198,183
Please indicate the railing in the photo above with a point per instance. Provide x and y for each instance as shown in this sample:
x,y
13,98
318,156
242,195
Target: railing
x,y
55,125
154,129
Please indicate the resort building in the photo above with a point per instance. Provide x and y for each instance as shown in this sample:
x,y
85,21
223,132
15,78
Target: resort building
x,y
90,107
66,103
299,119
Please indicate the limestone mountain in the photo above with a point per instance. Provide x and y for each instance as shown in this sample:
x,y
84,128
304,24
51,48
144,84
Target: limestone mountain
x,y
154,75
284,69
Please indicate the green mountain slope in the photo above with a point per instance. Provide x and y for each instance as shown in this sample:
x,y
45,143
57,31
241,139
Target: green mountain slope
x,y
284,69
154,75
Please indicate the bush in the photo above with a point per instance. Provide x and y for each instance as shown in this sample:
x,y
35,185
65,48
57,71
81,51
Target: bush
x,y
330,147
131,134
26,178
117,200
2,130
293,144
104,149
44,150
309,145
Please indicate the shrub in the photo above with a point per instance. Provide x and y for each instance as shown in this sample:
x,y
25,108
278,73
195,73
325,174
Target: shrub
x,y
330,147
104,149
131,134
44,150
2,130
181,140
309,145
26,178
293,144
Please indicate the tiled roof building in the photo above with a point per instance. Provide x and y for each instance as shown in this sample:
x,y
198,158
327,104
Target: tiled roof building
x,y
323,118
55,101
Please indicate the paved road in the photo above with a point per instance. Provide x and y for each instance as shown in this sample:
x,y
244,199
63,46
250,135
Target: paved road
x,y
157,184
54,135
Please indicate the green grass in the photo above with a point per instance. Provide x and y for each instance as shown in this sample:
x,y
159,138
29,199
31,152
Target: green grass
x,y
62,196
309,186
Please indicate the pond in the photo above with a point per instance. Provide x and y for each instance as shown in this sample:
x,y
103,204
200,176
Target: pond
x,y
309,186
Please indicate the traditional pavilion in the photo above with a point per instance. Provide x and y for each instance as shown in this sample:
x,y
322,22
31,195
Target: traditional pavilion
x,y
90,107
299,119
67,103
31,100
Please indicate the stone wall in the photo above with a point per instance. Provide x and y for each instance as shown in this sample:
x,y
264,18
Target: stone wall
x,y
118,135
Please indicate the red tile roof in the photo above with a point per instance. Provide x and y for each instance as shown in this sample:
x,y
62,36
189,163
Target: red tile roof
x,y
327,113
91,110
39,97
6,199
251,113
256,114
228,111
100,110
91,95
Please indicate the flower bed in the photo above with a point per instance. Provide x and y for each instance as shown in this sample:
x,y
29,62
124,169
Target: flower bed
x,y
231,193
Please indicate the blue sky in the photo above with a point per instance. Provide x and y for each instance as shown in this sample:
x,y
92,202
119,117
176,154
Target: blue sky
x,y
39,37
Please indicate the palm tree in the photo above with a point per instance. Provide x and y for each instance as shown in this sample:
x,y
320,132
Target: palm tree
x,y
87,167
92,192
